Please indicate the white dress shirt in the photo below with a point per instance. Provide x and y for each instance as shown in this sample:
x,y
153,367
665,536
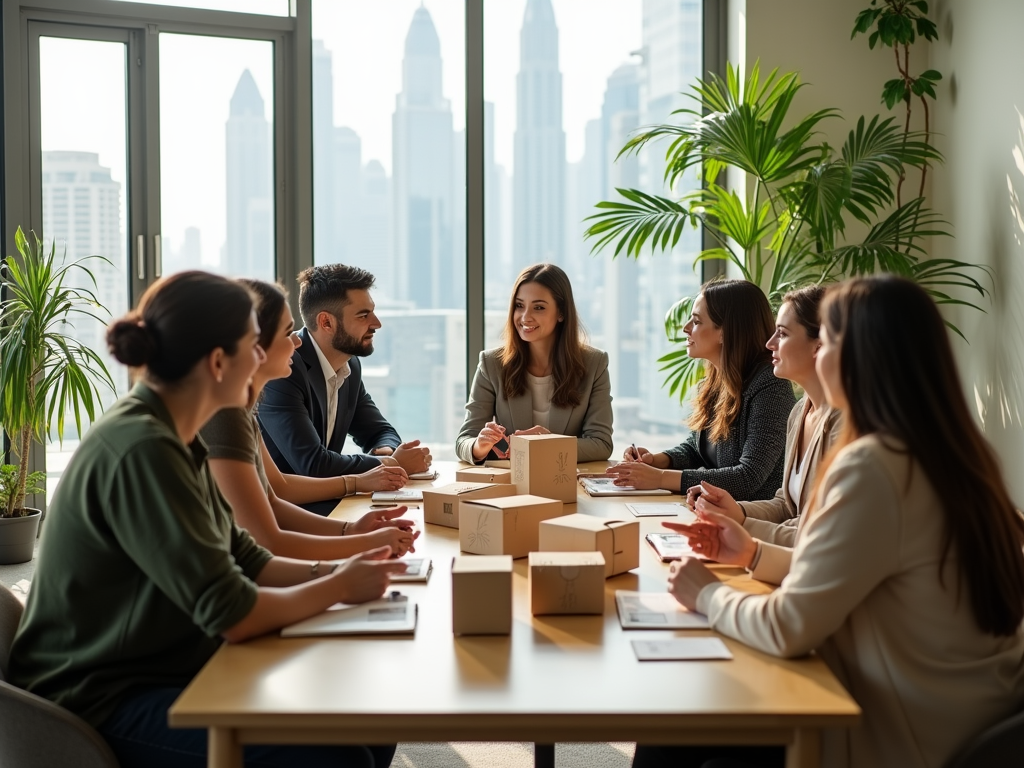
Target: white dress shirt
x,y
334,380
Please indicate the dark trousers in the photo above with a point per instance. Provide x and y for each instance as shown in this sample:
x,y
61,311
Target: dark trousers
x,y
322,508
709,757
138,734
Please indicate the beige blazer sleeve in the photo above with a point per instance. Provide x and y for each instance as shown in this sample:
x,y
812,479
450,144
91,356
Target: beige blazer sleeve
x,y
831,572
590,421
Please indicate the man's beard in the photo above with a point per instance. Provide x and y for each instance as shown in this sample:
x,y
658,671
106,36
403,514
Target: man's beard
x,y
343,342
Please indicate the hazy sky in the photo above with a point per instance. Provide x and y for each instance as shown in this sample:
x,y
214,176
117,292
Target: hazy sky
x,y
83,87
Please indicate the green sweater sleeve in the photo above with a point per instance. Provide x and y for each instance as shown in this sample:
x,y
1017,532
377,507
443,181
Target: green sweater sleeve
x,y
189,547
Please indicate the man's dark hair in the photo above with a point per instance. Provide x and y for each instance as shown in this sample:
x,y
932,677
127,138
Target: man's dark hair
x,y
325,289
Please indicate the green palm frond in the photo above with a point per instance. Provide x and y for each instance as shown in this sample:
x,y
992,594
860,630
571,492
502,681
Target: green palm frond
x,y
646,218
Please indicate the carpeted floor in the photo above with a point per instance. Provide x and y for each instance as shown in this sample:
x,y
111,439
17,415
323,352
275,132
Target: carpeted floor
x,y
492,755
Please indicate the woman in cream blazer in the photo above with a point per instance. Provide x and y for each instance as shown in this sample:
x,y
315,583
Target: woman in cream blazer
x,y
811,431
907,576
543,380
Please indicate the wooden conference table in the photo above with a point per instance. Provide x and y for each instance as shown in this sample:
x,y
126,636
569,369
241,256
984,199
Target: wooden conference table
x,y
555,679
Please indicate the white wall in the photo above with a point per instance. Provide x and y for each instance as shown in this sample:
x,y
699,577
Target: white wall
x,y
981,56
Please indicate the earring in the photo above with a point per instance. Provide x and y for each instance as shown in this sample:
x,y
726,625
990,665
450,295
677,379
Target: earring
x,y
220,378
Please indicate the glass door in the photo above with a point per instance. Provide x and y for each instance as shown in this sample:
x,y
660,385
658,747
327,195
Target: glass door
x,y
84,182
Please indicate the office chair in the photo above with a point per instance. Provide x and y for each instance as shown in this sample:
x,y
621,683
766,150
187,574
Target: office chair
x,y
34,732
1001,746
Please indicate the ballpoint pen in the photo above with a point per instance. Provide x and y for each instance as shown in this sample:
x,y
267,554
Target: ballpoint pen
x,y
636,453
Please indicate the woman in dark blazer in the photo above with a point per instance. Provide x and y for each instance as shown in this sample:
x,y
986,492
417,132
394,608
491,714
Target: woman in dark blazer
x,y
543,380
738,436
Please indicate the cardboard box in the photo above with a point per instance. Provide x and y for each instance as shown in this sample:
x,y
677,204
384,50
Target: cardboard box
x,y
482,595
504,526
544,465
617,540
441,505
566,582
483,475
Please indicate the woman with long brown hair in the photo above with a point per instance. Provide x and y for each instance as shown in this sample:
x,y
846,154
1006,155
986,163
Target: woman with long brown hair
x,y
738,436
908,571
543,379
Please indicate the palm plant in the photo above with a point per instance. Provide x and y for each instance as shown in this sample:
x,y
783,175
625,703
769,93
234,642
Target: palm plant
x,y
789,229
44,372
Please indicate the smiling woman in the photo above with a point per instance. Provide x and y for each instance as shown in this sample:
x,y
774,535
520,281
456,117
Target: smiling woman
x,y
740,412
544,379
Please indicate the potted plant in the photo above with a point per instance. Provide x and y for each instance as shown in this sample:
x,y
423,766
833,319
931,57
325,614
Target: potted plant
x,y
45,372
790,228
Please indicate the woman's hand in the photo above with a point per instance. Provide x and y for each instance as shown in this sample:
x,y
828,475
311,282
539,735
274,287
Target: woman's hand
x,y
380,518
637,474
489,436
711,498
400,540
641,454
718,538
538,430
366,576
382,478
686,578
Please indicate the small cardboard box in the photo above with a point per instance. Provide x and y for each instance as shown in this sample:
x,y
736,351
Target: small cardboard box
x,y
617,540
544,465
483,475
441,505
566,582
504,526
482,595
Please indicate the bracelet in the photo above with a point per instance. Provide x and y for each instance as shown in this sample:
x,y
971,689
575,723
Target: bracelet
x,y
349,489
344,527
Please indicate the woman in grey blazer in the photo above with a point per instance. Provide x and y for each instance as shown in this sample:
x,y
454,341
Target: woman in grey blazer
x,y
544,379
738,437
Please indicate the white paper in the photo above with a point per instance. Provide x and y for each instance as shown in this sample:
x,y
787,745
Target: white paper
x,y
660,509
681,649
417,569
388,616
672,546
655,610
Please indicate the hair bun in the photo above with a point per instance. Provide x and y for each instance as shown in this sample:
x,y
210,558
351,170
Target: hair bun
x,y
130,342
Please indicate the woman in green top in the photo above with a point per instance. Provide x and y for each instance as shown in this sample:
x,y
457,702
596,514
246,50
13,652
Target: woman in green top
x,y
143,572
264,500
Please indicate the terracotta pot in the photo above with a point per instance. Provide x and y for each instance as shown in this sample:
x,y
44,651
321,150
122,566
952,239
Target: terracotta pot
x,y
18,537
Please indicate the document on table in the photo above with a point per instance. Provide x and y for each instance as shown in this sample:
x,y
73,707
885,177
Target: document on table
x,y
430,474
660,509
672,546
655,610
417,569
681,649
605,486
393,615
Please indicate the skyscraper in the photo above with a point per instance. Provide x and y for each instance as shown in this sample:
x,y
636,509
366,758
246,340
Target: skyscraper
x,y
345,185
422,143
539,153
249,250
82,215
324,207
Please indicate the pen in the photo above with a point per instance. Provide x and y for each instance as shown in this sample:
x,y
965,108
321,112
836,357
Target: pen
x,y
636,453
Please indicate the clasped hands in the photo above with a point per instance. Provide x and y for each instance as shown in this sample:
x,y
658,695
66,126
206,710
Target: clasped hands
x,y
387,527
493,433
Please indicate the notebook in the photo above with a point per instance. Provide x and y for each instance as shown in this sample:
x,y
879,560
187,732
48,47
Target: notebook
x,y
671,509
395,614
605,486
672,546
655,610
397,497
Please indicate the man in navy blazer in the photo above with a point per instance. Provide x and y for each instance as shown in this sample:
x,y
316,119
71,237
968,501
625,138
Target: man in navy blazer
x,y
306,418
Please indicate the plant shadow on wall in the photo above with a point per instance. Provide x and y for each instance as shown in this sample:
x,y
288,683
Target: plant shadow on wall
x,y
46,374
999,395
788,229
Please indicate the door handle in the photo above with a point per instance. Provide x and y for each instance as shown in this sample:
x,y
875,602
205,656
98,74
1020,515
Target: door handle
x,y
140,256
158,259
